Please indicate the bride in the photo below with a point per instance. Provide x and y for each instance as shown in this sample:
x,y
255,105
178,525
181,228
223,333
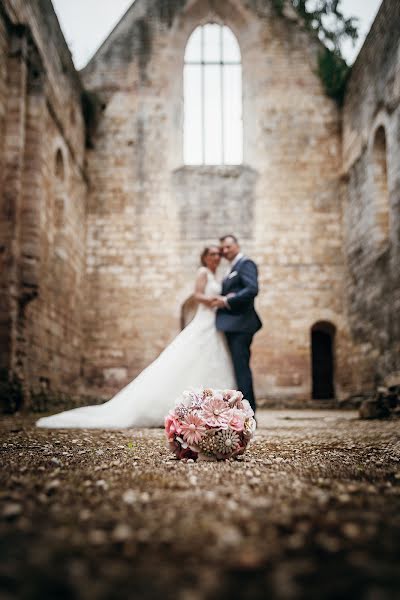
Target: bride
x,y
198,357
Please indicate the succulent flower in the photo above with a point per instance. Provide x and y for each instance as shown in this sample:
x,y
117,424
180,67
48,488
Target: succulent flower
x,y
215,413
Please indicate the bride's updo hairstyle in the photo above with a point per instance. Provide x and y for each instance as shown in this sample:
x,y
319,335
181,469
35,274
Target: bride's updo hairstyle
x,y
204,254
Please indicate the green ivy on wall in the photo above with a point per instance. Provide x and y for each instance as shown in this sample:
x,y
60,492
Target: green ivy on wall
x,y
327,20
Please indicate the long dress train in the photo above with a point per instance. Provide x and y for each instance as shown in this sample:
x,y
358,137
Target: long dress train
x,y
198,357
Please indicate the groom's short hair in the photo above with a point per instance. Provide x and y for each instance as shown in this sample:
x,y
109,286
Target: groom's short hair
x,y
229,235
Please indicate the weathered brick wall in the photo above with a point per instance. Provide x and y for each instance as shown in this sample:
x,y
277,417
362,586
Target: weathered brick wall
x,y
94,284
4,292
144,222
372,211
43,216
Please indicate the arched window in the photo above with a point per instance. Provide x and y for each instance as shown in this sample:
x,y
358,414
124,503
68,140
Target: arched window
x,y
213,130
59,166
322,358
59,203
381,191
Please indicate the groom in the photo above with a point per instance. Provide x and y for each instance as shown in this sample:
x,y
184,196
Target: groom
x,y
236,316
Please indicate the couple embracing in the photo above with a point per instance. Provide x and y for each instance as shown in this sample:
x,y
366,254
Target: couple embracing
x,y
212,351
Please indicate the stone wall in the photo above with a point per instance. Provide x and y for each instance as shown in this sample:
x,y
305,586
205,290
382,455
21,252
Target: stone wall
x,y
146,226
371,157
43,211
99,245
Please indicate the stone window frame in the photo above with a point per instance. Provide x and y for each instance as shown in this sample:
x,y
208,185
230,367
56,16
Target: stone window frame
x,y
203,63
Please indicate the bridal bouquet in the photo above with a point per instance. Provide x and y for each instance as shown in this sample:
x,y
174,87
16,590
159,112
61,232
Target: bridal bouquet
x,y
210,425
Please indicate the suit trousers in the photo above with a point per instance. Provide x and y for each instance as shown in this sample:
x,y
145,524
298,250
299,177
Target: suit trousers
x,y
239,345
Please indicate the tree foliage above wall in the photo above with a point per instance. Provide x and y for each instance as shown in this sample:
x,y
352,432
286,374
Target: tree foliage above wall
x,y
326,18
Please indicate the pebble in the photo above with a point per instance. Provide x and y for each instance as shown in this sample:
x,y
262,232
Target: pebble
x,y
102,484
351,530
52,486
122,532
97,537
129,497
11,510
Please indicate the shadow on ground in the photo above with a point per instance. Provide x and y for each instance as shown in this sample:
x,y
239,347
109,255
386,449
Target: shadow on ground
x,y
312,511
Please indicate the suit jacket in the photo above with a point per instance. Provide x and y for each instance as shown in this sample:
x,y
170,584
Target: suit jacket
x,y
241,315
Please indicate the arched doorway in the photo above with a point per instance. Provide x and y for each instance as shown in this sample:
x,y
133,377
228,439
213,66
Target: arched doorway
x,y
322,358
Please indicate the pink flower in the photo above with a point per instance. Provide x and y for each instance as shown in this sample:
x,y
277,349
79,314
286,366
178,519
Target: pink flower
x,y
172,426
247,408
235,399
236,419
193,429
216,413
228,394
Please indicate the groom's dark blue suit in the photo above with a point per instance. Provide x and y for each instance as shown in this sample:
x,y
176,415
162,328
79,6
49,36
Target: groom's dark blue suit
x,y
240,321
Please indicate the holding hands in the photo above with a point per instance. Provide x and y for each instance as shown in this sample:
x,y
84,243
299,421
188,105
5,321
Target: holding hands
x,y
220,301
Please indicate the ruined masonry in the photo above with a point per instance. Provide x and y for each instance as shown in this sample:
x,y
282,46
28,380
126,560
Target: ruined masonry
x,y
101,223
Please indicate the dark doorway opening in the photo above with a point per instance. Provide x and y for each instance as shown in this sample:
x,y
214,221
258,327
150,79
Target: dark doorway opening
x,y
322,351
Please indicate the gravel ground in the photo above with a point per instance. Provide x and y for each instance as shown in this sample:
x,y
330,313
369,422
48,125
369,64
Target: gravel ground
x,y
311,511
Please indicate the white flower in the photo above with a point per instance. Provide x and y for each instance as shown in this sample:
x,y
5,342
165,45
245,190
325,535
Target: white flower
x,y
182,442
247,408
249,427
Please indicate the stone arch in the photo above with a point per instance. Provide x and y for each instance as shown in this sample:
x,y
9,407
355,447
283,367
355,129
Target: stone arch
x,y
380,185
59,201
59,169
323,360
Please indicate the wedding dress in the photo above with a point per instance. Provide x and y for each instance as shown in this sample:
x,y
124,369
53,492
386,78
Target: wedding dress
x,y
198,357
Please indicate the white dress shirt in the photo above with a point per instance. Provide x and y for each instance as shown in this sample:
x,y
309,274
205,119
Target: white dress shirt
x,y
233,263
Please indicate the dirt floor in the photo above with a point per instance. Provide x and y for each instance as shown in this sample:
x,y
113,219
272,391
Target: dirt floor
x,y
311,511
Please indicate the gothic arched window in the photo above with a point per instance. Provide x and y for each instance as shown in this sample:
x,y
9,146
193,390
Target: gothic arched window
x,y
213,130
59,203
381,186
